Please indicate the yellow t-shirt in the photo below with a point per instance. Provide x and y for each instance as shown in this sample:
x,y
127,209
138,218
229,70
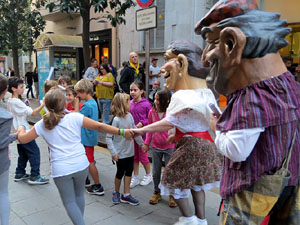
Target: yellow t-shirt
x,y
104,91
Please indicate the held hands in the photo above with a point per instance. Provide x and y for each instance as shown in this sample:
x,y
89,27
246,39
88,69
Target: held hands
x,y
171,139
145,148
115,157
139,125
128,134
137,132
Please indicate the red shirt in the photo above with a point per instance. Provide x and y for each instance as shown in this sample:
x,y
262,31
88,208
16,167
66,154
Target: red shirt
x,y
71,108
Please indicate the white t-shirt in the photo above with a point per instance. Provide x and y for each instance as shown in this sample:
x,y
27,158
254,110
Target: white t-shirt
x,y
20,112
67,154
155,70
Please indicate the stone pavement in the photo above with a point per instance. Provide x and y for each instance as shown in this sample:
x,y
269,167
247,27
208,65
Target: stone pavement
x,y
41,205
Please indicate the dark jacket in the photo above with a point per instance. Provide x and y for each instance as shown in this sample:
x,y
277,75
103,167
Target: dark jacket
x,y
129,76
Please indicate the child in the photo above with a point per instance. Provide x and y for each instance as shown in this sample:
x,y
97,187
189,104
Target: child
x,y
121,149
160,146
63,82
30,151
48,84
139,108
71,98
6,138
69,164
89,138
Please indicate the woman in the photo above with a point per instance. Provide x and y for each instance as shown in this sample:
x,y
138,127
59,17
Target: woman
x,y
105,91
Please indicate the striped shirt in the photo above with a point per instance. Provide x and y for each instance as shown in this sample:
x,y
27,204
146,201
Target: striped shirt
x,y
274,104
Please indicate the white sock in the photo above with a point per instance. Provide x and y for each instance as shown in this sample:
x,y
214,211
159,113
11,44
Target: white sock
x,y
188,218
201,220
149,175
136,177
125,195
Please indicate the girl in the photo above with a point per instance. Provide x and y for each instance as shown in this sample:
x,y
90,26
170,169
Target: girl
x,y
139,108
160,146
6,119
69,164
71,98
105,91
122,150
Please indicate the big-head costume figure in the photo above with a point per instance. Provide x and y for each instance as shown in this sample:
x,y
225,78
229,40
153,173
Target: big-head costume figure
x,y
255,132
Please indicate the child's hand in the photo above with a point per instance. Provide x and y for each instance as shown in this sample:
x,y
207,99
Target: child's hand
x,y
139,125
145,148
137,132
128,134
171,139
115,157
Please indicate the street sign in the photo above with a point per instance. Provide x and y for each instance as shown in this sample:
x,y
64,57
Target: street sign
x,y
144,3
146,18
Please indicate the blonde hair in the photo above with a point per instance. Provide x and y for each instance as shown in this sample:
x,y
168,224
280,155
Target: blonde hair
x,y
120,105
48,85
84,86
55,103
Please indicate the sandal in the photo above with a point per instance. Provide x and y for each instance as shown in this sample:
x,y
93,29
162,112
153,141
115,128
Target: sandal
x,y
172,203
156,197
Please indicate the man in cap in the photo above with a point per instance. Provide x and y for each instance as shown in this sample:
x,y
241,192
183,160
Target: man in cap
x,y
259,128
154,71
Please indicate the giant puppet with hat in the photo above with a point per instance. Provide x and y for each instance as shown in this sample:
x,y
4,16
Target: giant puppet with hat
x,y
258,132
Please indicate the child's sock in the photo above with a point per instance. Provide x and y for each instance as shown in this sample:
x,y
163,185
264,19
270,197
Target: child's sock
x,y
201,220
148,174
188,218
126,195
136,177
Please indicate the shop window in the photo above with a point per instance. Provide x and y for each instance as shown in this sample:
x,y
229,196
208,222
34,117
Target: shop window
x,y
65,64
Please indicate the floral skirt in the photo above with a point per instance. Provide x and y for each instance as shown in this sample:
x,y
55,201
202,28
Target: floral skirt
x,y
195,161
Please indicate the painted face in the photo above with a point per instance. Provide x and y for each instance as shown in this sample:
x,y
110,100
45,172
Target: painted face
x,y
156,101
135,92
70,96
133,57
170,70
214,57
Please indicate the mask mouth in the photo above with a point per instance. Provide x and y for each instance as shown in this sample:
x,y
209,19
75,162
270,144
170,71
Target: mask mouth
x,y
213,73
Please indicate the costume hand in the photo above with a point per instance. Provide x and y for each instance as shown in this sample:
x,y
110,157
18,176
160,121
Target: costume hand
x,y
139,125
213,122
171,139
115,157
145,148
128,134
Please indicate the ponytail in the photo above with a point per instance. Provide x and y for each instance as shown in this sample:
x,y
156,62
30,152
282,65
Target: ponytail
x,y
51,119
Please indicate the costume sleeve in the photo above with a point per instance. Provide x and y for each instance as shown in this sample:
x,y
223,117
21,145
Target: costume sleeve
x,y
123,81
237,145
149,135
110,138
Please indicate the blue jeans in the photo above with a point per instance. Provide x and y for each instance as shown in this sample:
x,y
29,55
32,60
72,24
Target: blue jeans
x,y
29,152
104,105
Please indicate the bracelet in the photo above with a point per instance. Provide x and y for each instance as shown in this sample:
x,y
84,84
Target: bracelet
x,y
122,132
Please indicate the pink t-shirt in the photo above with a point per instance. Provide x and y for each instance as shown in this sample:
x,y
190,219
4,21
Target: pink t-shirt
x,y
159,139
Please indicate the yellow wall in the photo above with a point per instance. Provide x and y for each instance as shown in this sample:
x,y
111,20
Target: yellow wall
x,y
289,9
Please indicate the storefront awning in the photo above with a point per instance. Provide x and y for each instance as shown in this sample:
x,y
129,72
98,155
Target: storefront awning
x,y
56,40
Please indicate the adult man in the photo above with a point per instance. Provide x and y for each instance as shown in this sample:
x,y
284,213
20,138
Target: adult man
x,y
155,88
10,73
29,81
132,71
154,71
256,129
92,72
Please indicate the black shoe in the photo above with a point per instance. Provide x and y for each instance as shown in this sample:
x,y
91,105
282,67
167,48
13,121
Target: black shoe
x,y
19,177
95,189
87,182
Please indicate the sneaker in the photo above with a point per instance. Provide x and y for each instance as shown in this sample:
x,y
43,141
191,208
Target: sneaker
x,y
156,197
184,221
87,182
38,180
116,198
95,189
134,182
130,200
147,179
19,177
202,222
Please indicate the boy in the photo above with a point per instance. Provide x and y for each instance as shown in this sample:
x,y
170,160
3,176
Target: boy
x,y
30,151
89,138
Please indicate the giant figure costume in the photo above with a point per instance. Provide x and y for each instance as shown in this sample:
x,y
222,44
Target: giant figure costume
x,y
255,132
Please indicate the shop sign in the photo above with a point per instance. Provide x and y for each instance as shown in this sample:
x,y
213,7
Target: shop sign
x,y
146,18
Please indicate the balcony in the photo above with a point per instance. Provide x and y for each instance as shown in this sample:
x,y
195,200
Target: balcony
x,y
56,14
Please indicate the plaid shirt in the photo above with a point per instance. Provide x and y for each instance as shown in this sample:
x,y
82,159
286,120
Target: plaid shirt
x,y
275,105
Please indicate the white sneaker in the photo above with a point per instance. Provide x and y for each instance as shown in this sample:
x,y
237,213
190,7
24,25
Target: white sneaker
x,y
146,180
184,221
134,182
203,222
